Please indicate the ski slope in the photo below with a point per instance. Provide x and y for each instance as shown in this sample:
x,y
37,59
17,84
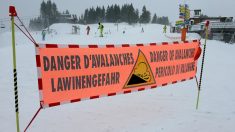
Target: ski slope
x,y
167,109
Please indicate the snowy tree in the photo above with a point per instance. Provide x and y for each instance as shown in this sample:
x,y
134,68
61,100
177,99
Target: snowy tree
x,y
145,16
154,20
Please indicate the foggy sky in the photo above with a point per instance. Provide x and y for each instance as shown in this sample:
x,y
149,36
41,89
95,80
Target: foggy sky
x,y
30,8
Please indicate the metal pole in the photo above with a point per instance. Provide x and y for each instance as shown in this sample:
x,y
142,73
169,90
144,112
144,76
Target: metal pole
x,y
198,97
203,59
15,74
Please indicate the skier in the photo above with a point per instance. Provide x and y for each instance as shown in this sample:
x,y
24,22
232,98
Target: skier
x,y
78,28
88,30
74,30
43,35
101,28
164,29
142,30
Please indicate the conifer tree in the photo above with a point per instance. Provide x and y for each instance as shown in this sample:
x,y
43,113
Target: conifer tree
x,y
154,20
145,16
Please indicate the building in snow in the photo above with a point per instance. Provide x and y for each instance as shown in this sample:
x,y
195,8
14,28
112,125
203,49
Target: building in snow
x,y
220,28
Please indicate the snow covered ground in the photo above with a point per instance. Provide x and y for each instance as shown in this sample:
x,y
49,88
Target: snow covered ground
x,y
165,109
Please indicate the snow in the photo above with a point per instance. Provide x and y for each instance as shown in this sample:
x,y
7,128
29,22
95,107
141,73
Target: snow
x,y
166,109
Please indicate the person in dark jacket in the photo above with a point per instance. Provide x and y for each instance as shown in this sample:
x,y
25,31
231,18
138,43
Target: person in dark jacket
x,y
43,34
88,30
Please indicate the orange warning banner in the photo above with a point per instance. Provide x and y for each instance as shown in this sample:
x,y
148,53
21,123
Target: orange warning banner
x,y
71,73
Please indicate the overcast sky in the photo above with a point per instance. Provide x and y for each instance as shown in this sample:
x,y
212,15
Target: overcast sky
x,y
30,8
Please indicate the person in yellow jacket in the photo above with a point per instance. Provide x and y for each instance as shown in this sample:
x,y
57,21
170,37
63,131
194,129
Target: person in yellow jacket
x,y
164,29
101,28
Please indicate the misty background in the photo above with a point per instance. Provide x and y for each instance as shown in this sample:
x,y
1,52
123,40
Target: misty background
x,y
31,8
